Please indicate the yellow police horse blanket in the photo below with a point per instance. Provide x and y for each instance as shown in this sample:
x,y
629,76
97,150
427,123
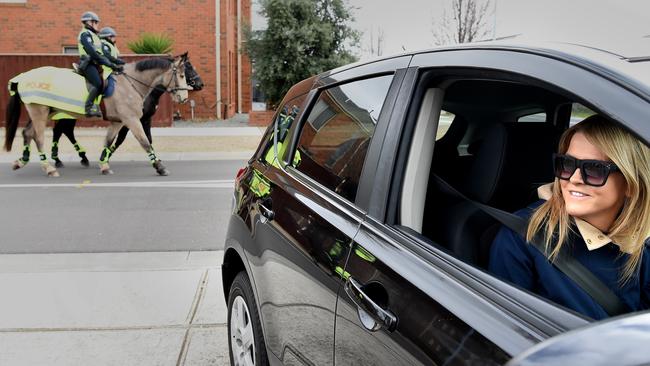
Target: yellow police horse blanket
x,y
62,89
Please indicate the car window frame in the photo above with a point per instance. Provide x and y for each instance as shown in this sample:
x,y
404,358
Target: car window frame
x,y
569,78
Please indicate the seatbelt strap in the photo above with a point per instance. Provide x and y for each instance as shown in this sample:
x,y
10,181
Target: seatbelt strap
x,y
568,265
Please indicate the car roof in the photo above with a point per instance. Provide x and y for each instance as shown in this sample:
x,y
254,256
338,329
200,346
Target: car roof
x,y
627,63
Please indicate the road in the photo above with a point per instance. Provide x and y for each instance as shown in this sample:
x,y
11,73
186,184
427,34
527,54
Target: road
x,y
133,210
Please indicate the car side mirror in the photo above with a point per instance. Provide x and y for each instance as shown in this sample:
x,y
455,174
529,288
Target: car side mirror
x,y
619,341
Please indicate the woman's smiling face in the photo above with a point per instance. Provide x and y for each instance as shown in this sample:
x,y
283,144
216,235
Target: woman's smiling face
x,y
599,206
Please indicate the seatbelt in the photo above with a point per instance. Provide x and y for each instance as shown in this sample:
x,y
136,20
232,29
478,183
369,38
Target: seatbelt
x,y
568,265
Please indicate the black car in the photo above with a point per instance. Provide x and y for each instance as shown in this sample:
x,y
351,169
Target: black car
x,y
344,247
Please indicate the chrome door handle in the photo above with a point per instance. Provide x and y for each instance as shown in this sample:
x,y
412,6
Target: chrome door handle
x,y
266,212
382,317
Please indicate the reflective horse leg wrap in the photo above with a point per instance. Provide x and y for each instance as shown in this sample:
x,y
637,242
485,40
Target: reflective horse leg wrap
x,y
80,150
25,158
106,154
55,150
152,156
43,158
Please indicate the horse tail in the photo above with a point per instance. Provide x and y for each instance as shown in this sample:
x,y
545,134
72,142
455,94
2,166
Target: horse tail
x,y
13,116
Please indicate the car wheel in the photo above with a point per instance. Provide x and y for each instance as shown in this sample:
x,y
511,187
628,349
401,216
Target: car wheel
x,y
245,338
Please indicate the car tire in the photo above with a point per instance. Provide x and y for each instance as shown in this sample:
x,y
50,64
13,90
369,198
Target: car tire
x,y
245,339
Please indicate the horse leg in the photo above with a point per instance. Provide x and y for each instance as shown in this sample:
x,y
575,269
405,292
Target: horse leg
x,y
28,135
39,116
121,136
138,132
106,152
69,132
57,131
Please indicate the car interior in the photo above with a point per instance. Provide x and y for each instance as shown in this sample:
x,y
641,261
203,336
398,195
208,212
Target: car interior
x,y
497,151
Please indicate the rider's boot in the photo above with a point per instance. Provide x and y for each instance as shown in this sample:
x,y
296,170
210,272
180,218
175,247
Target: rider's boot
x,y
92,109
55,155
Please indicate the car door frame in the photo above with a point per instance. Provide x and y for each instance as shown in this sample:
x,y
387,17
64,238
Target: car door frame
x,y
395,66
595,85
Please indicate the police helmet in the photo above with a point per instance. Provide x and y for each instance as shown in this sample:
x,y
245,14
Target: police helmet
x,y
107,32
89,15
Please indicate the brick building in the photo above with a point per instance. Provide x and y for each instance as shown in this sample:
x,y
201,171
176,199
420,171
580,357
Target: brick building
x,y
52,26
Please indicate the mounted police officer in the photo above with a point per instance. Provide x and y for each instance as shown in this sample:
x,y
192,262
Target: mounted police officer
x,y
110,51
90,51
108,37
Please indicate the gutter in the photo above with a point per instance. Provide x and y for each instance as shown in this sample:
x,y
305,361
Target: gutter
x,y
217,30
239,73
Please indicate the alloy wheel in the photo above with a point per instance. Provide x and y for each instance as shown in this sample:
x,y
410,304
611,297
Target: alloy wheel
x,y
242,341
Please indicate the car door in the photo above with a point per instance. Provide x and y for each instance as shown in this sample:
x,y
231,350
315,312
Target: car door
x,y
408,301
307,217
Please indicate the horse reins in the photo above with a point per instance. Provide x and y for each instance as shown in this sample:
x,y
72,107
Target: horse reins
x,y
149,86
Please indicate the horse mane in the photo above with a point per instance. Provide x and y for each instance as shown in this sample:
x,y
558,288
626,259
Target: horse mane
x,y
154,63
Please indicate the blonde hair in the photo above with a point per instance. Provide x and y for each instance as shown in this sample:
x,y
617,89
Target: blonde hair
x,y
632,226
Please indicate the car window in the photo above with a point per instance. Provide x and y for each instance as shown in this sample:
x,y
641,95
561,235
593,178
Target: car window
x,y
284,119
337,132
482,155
443,123
579,113
534,117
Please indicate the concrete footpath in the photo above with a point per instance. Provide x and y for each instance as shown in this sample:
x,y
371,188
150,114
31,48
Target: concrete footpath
x,y
173,143
160,308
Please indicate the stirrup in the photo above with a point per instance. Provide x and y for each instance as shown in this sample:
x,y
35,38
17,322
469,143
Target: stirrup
x,y
94,111
75,66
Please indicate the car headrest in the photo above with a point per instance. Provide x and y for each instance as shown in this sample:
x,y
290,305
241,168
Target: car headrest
x,y
485,171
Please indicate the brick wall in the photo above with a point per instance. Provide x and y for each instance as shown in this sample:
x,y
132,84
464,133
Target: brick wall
x,y
260,118
45,26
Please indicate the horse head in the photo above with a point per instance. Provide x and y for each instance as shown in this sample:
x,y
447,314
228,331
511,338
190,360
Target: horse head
x,y
191,76
178,83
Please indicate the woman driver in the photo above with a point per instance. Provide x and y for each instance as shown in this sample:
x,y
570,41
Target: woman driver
x,y
597,210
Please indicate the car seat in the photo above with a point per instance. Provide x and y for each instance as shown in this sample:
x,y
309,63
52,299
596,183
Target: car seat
x,y
509,161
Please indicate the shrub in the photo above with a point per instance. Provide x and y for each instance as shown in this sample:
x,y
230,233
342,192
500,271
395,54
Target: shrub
x,y
151,43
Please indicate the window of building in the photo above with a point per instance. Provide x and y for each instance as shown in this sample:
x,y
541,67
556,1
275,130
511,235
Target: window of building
x,y
70,50
336,135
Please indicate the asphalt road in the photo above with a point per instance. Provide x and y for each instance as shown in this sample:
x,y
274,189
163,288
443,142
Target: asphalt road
x,y
132,210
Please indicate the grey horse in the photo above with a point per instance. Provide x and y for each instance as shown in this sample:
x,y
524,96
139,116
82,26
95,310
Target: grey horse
x,y
123,108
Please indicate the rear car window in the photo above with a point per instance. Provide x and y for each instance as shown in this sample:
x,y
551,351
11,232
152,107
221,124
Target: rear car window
x,y
534,117
337,132
579,113
284,119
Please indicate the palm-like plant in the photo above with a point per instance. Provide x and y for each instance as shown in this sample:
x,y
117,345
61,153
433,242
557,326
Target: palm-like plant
x,y
152,43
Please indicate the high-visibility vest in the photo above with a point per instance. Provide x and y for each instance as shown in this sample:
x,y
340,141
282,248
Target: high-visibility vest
x,y
115,53
97,42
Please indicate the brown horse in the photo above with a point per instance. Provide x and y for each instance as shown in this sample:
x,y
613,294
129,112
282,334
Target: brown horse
x,y
123,108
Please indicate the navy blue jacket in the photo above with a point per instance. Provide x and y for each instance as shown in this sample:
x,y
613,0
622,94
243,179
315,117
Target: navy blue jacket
x,y
519,262
86,42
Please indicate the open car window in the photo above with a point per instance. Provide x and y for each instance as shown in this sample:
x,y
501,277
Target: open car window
x,y
485,152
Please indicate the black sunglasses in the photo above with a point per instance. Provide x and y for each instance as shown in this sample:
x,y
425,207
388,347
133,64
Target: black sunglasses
x,y
593,172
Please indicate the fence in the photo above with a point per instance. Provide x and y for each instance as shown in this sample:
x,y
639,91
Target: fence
x,y
14,64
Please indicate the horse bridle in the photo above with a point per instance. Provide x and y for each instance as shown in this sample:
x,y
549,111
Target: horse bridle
x,y
157,87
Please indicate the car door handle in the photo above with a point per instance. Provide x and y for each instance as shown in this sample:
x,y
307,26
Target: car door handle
x,y
382,317
265,211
